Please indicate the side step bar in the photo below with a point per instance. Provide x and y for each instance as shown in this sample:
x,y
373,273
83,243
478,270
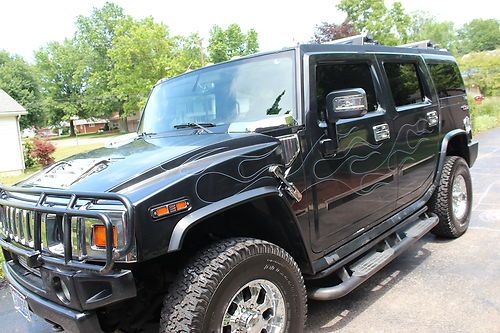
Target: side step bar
x,y
369,264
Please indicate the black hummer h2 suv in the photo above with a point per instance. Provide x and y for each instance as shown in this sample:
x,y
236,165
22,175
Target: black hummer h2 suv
x,y
246,182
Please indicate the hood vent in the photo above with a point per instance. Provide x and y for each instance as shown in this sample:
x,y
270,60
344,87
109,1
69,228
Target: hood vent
x,y
65,173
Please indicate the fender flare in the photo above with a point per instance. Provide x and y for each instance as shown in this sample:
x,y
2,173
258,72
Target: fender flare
x,y
470,150
189,221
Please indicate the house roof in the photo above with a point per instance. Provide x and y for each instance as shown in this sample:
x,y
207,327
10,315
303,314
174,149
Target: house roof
x,y
9,106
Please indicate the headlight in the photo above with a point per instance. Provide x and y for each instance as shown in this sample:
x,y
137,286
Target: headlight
x,y
89,235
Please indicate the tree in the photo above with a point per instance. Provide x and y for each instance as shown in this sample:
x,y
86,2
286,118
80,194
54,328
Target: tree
x,y
400,22
96,33
231,42
388,26
141,54
64,73
189,53
326,32
424,26
482,70
479,35
18,79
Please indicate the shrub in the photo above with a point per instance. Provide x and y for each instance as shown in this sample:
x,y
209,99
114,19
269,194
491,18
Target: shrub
x,y
29,159
42,150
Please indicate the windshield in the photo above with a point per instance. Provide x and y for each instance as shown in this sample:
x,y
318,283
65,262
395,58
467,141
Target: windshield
x,y
239,96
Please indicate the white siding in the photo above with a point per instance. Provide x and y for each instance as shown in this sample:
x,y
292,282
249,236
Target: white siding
x,y
11,158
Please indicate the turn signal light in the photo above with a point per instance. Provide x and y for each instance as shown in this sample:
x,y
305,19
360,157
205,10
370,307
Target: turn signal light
x,y
99,236
169,209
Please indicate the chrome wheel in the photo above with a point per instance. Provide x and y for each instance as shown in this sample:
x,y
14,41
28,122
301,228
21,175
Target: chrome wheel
x,y
258,307
459,197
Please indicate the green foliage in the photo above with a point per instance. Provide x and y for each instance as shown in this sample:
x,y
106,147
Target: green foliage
x,y
96,33
485,115
189,53
482,70
479,35
142,54
388,26
424,26
18,79
64,74
29,159
231,42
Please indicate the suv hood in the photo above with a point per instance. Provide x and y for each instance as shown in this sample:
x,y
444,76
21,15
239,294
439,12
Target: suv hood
x,y
118,166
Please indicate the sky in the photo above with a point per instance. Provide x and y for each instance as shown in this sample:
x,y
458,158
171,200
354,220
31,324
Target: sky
x,y
25,26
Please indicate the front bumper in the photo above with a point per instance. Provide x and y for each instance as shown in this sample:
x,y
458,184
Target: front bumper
x,y
89,292
70,320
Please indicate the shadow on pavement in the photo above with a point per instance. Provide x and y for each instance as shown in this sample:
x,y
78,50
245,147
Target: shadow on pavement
x,y
331,316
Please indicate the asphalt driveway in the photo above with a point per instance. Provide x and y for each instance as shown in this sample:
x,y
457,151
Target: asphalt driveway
x,y
436,286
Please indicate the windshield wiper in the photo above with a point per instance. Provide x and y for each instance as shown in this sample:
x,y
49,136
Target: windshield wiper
x,y
202,126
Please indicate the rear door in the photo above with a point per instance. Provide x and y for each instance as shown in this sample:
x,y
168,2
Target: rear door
x,y
354,188
416,123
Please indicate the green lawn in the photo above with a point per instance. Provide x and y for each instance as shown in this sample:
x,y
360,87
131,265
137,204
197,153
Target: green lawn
x,y
63,152
485,115
86,136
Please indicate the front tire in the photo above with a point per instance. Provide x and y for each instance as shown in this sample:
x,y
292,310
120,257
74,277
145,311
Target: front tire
x,y
237,285
452,200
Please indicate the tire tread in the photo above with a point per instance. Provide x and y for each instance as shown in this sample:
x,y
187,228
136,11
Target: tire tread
x,y
190,294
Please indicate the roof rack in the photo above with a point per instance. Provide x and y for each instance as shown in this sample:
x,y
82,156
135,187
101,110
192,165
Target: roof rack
x,y
423,44
362,39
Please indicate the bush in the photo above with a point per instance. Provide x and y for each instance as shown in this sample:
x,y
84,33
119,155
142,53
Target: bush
x,y
42,150
29,159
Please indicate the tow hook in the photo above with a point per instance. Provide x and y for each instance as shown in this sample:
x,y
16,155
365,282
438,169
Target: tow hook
x,y
291,189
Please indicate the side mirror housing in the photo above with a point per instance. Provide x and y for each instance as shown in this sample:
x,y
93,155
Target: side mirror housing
x,y
344,104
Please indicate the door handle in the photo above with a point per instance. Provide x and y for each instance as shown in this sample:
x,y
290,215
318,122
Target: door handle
x,y
432,118
381,132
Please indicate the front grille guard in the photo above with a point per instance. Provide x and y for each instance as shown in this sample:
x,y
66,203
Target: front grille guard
x,y
35,257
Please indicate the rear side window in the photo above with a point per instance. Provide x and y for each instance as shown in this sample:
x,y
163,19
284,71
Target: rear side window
x,y
447,79
404,82
331,77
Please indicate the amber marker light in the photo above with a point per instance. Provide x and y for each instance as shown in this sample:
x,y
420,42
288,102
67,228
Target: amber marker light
x,y
169,209
99,236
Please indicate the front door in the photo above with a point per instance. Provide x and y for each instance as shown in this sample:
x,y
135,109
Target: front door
x,y
354,188
416,123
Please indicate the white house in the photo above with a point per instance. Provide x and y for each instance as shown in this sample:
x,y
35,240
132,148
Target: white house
x,y
11,148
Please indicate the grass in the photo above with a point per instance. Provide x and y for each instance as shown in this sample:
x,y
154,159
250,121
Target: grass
x,y
86,136
64,152
486,115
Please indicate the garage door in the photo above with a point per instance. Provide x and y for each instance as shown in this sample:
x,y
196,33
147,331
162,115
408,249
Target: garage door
x,y
10,156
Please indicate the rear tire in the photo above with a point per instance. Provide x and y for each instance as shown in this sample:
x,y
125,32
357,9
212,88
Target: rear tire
x,y
236,283
452,200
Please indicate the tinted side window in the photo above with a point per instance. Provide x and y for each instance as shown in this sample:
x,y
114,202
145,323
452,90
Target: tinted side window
x,y
331,77
447,79
405,85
